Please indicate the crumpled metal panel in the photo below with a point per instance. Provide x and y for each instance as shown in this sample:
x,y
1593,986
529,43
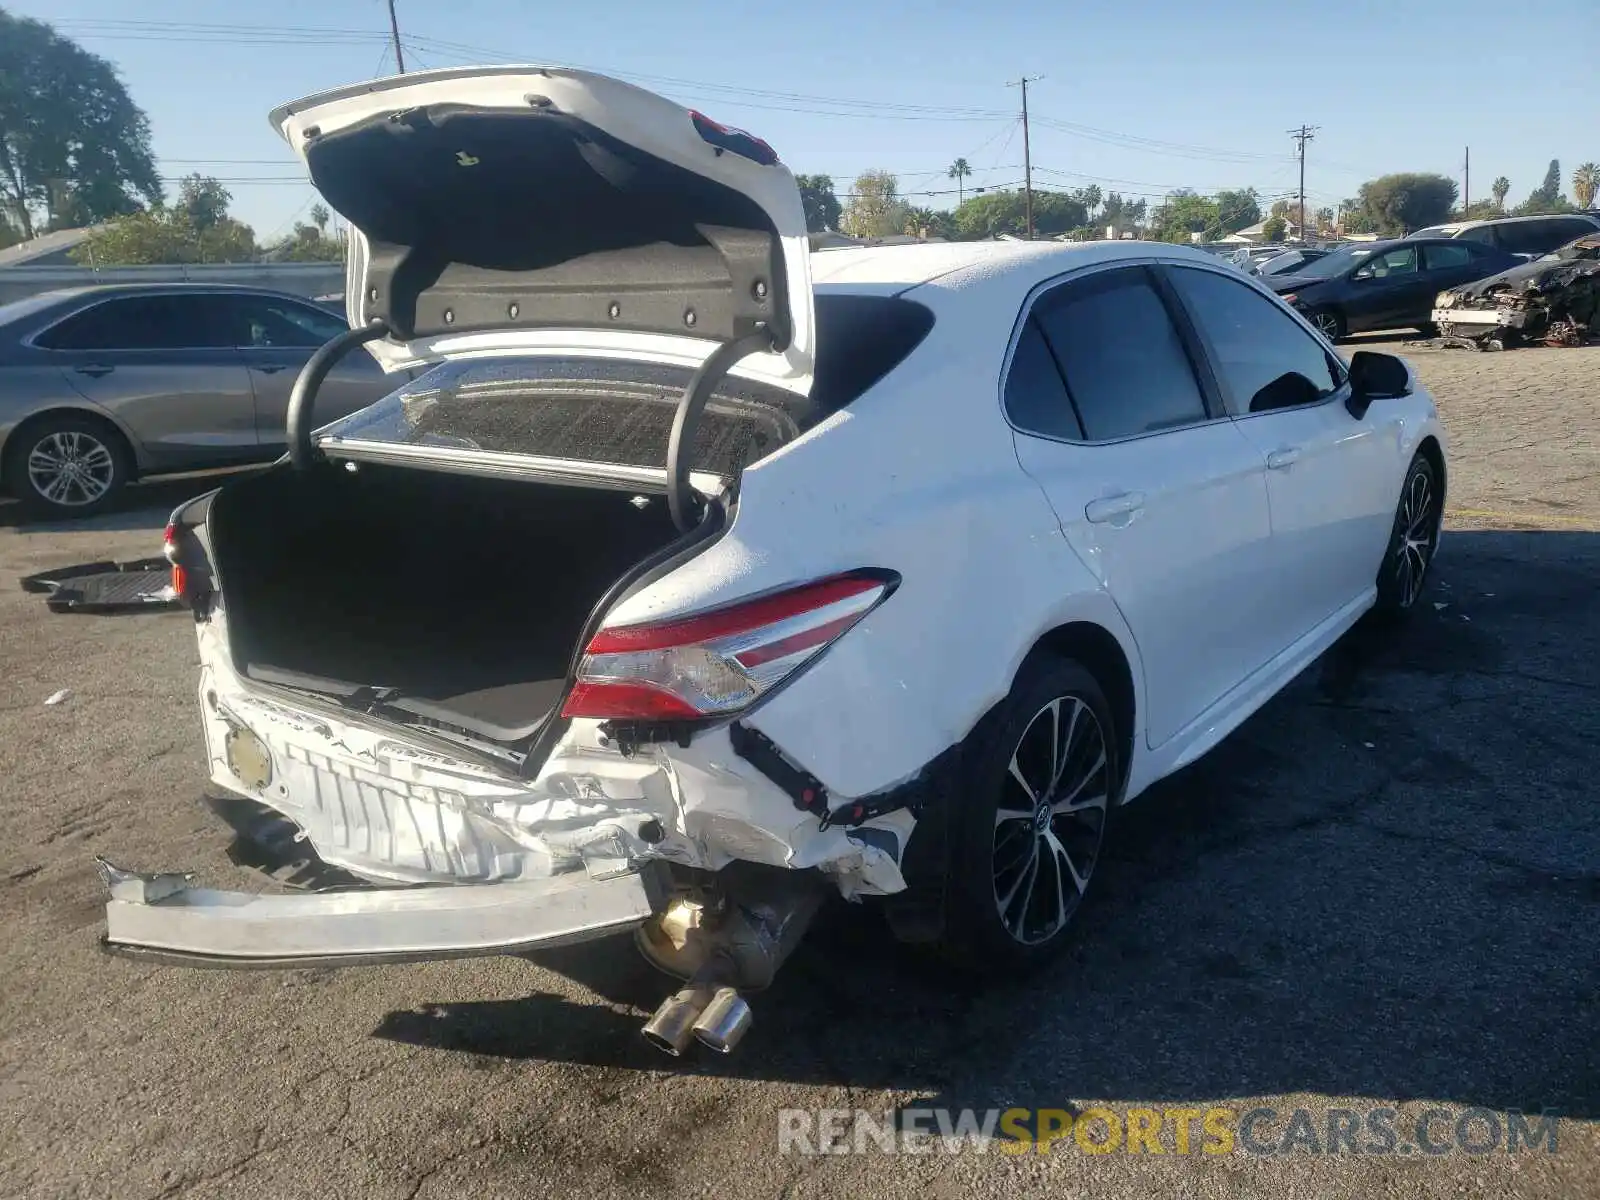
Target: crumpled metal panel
x,y
389,810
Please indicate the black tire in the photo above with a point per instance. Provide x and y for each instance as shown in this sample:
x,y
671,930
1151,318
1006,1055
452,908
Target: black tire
x,y
1428,329
92,450
988,853
1329,322
1413,542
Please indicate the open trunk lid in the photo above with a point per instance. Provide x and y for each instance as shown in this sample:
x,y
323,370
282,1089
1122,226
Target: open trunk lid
x,y
532,208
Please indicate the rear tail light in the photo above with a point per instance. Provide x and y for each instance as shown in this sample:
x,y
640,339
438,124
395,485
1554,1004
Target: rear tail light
x,y
717,663
172,549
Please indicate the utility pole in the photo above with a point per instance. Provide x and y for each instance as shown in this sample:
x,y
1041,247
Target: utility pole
x,y
394,32
1027,152
1466,182
1301,136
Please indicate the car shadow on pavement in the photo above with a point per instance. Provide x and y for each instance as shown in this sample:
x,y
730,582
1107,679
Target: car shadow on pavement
x,y
1384,885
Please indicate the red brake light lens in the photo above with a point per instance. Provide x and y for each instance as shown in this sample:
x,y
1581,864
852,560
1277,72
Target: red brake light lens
x,y
172,550
717,663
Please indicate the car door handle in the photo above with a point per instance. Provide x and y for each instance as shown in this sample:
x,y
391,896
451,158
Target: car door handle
x,y
269,368
1114,510
1282,460
97,370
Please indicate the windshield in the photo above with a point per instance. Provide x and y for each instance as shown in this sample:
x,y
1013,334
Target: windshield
x,y
1339,261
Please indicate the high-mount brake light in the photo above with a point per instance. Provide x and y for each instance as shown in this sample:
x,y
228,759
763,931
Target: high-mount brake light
x,y
720,662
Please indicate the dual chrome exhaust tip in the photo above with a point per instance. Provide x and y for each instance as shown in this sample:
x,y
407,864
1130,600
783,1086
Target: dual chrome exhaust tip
x,y
716,1017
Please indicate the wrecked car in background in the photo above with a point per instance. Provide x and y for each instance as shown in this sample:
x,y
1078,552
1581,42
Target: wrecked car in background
x,y
1554,300
700,577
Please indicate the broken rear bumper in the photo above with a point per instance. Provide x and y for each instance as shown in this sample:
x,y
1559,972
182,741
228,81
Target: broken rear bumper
x,y
163,916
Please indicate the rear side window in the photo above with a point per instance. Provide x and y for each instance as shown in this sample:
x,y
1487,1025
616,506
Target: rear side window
x,y
1125,367
1036,396
1543,236
1441,257
1483,235
860,339
137,323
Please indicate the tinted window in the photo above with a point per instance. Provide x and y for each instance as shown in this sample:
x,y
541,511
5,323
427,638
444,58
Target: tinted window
x,y
138,323
1126,370
1264,359
861,339
1441,257
1527,237
266,321
1484,235
1392,262
1036,398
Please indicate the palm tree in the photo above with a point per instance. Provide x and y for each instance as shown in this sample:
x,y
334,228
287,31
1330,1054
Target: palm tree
x,y
319,217
1585,182
959,170
1500,187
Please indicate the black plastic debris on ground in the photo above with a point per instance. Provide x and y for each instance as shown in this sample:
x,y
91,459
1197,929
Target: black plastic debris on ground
x,y
143,585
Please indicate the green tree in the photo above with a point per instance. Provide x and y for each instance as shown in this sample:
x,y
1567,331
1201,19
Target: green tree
x,y
1184,214
1325,219
960,172
1396,204
197,229
1500,187
1236,210
74,148
320,216
875,208
995,213
1274,229
1089,197
1585,182
926,223
308,243
1547,197
821,205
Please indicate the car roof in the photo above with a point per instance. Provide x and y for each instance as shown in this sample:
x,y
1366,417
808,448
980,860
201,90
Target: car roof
x,y
893,270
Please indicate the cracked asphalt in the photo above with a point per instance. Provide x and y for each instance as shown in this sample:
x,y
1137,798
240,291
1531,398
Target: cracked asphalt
x,y
1383,890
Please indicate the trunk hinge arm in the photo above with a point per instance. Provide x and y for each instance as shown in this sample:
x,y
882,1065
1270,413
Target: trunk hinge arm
x,y
303,399
685,423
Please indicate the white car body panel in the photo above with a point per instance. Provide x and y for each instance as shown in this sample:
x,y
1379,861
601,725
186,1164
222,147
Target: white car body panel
x,y
1232,575
631,114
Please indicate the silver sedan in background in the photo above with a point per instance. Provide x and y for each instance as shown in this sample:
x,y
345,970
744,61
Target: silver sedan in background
x,y
102,385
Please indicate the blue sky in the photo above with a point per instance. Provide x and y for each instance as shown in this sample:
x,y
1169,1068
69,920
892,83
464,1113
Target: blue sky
x,y
1136,97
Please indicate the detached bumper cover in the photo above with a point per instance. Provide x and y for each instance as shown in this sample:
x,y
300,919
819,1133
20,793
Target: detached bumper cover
x,y
163,916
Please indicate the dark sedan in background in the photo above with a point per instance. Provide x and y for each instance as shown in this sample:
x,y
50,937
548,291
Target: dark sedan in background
x,y
1385,285
102,385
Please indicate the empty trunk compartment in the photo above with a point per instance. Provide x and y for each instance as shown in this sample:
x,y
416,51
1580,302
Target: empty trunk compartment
x,y
457,598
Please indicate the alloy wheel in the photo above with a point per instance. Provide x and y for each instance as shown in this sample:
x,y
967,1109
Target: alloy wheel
x,y
1418,535
71,468
1327,325
1051,820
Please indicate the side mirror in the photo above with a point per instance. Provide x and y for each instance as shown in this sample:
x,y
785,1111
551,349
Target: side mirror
x,y
1375,376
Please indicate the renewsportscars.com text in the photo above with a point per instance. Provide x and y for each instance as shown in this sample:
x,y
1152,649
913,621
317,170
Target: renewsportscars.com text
x,y
1261,1131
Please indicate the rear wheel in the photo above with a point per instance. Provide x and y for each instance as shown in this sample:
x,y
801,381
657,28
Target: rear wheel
x,y
1329,322
1034,809
66,465
1412,541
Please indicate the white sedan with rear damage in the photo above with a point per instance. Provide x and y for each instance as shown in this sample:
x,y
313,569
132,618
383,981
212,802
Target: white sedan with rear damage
x,y
698,576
